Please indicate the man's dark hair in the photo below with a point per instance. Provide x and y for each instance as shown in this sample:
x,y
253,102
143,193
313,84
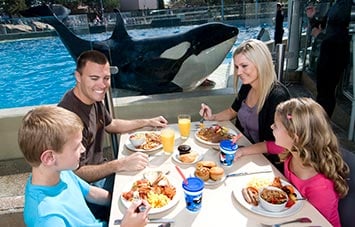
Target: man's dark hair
x,y
92,56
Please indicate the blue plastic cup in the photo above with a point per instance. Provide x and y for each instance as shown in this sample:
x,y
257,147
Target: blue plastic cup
x,y
193,193
227,152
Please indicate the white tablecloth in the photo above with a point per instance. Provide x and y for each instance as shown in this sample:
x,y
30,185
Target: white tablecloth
x,y
219,205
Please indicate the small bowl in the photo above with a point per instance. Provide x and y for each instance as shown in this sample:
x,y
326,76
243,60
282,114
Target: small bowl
x,y
184,149
277,199
137,139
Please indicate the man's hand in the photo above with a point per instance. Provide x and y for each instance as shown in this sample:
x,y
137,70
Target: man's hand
x,y
133,162
160,122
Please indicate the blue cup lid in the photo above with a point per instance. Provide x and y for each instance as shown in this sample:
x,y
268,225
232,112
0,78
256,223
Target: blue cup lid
x,y
194,184
228,145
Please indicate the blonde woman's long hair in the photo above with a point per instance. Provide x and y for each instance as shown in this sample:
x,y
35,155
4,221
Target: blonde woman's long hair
x,y
259,54
314,140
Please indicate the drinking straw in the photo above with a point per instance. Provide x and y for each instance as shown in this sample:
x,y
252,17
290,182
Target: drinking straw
x,y
181,174
236,138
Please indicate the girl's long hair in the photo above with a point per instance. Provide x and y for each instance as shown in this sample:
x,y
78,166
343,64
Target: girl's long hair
x,y
314,140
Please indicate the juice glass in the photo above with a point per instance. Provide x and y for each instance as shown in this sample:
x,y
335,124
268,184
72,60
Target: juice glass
x,y
167,137
184,123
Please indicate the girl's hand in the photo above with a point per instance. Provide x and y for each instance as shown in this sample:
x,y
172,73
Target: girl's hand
x,y
238,154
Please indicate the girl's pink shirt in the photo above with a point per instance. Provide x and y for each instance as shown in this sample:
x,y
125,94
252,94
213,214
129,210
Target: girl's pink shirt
x,y
318,190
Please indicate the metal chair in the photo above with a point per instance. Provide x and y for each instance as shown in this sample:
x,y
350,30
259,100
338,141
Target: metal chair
x,y
347,205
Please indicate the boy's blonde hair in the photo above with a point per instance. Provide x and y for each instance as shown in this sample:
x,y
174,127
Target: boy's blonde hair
x,y
259,54
308,125
46,127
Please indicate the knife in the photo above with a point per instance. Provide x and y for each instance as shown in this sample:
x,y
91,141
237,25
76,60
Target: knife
x,y
159,220
247,173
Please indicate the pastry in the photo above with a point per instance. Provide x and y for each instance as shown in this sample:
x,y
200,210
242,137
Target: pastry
x,y
188,158
216,173
203,173
207,164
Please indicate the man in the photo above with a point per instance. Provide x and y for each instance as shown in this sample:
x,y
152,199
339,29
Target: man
x,y
93,79
279,20
317,32
334,54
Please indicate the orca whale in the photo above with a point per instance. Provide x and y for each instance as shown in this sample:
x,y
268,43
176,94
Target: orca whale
x,y
172,63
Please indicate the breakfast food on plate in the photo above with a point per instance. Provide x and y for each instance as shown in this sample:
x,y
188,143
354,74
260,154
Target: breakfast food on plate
x,y
188,158
152,140
251,195
137,139
273,196
214,134
185,154
251,192
208,170
216,173
259,183
207,164
203,173
155,188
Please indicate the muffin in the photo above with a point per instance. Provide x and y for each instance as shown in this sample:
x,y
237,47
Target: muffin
x,y
207,164
203,173
216,173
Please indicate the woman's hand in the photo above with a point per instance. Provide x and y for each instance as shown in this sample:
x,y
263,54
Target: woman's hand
x,y
206,112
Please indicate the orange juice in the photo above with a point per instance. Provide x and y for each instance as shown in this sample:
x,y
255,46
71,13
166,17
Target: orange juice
x,y
184,123
167,137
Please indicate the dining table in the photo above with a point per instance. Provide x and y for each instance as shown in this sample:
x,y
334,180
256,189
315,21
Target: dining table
x,y
222,201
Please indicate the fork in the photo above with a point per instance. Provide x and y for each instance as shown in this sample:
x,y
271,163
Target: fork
x,y
202,120
301,220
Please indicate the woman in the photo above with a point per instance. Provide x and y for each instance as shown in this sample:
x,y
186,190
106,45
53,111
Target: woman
x,y
260,93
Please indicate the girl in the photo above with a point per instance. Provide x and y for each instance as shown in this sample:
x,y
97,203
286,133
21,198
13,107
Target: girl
x,y
313,163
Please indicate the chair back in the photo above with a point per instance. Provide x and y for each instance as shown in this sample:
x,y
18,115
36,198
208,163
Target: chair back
x,y
347,204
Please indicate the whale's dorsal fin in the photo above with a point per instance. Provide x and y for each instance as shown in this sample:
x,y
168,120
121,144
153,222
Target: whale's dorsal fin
x,y
119,32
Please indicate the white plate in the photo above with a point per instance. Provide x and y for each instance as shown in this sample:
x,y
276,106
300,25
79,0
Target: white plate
x,y
172,202
230,131
130,146
211,182
237,193
175,157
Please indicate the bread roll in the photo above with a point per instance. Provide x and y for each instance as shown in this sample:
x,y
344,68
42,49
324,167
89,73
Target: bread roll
x,y
203,173
216,173
207,164
188,158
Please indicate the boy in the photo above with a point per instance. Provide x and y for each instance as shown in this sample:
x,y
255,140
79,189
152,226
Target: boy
x,y
50,140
